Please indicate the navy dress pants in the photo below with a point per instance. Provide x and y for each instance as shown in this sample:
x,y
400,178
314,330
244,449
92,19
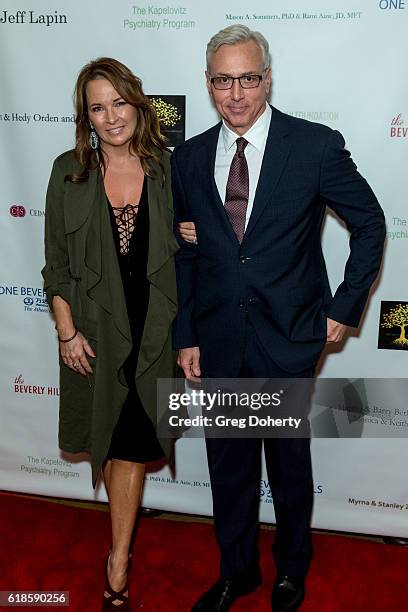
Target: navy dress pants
x,y
235,474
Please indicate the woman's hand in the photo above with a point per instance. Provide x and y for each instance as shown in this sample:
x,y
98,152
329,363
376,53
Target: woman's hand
x,y
74,354
187,231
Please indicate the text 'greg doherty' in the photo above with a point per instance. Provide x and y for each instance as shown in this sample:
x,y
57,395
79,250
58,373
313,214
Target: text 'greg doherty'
x,y
242,423
254,401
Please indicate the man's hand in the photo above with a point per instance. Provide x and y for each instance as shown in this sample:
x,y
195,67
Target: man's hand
x,y
189,360
187,231
335,331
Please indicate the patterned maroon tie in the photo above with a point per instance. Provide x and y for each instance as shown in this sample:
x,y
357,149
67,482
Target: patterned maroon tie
x,y
236,200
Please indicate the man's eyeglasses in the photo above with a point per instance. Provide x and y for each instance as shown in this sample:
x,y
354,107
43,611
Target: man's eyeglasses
x,y
247,81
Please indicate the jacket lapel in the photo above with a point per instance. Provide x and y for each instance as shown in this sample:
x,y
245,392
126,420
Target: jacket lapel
x,y
160,273
275,157
79,201
104,284
162,242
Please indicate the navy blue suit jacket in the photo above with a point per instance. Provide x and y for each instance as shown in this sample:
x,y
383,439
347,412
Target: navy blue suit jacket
x,y
277,276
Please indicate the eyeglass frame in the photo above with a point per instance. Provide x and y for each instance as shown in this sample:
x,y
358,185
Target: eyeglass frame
x,y
224,76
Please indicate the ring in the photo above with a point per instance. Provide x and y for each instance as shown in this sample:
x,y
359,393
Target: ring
x,y
75,365
195,241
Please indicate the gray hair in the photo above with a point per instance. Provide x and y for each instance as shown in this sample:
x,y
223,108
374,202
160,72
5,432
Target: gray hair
x,y
235,34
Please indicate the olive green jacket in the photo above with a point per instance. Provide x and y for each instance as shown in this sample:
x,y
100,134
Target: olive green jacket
x,y
82,267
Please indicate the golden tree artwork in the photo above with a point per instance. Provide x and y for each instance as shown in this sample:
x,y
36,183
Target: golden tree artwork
x,y
397,317
166,112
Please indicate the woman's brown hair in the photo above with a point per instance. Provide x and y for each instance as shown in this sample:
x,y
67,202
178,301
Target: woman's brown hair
x,y
147,141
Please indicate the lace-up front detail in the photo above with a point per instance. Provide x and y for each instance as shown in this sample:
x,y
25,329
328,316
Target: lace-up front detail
x,y
125,220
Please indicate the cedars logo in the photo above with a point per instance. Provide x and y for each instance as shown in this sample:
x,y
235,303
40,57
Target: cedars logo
x,y
16,210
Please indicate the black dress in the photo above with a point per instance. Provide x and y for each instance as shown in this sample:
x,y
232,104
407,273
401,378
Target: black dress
x,y
134,437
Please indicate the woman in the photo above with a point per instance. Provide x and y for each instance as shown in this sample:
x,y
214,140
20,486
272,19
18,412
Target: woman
x,y
110,281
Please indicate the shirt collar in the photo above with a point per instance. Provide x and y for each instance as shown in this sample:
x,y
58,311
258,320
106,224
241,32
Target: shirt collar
x,y
256,135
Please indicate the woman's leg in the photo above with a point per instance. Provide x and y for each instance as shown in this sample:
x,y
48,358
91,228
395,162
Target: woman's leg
x,y
106,470
124,483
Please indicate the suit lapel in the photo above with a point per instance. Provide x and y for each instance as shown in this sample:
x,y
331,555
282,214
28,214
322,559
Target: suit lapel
x,y
212,152
274,160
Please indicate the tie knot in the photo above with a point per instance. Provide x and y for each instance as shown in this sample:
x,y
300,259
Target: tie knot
x,y
241,144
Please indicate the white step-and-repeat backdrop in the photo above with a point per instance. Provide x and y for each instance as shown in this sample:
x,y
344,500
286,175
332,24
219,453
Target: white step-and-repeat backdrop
x,y
336,62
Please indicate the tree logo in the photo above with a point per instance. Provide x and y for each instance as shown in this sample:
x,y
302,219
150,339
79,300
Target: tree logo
x,y
167,113
171,112
393,325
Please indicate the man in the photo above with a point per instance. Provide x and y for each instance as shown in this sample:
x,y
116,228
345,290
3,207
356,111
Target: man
x,y
254,297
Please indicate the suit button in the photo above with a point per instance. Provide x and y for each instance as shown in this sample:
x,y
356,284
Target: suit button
x,y
252,300
241,303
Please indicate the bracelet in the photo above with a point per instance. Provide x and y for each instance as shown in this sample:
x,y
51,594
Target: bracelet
x,y
68,339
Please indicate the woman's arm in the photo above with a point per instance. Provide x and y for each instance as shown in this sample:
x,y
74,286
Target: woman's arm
x,y
63,318
57,278
56,272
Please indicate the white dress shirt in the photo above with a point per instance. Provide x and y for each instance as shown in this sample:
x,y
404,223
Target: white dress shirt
x,y
254,152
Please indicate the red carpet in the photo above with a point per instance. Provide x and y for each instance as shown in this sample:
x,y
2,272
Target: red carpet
x,y
47,546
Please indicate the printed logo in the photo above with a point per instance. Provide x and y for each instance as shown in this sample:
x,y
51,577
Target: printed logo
x,y
171,112
266,493
399,228
158,18
398,129
308,16
392,5
378,503
33,17
22,388
34,299
315,115
16,210
393,324
52,467
26,118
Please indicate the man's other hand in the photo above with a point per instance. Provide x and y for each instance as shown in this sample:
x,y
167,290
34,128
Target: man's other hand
x,y
189,360
335,331
187,231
